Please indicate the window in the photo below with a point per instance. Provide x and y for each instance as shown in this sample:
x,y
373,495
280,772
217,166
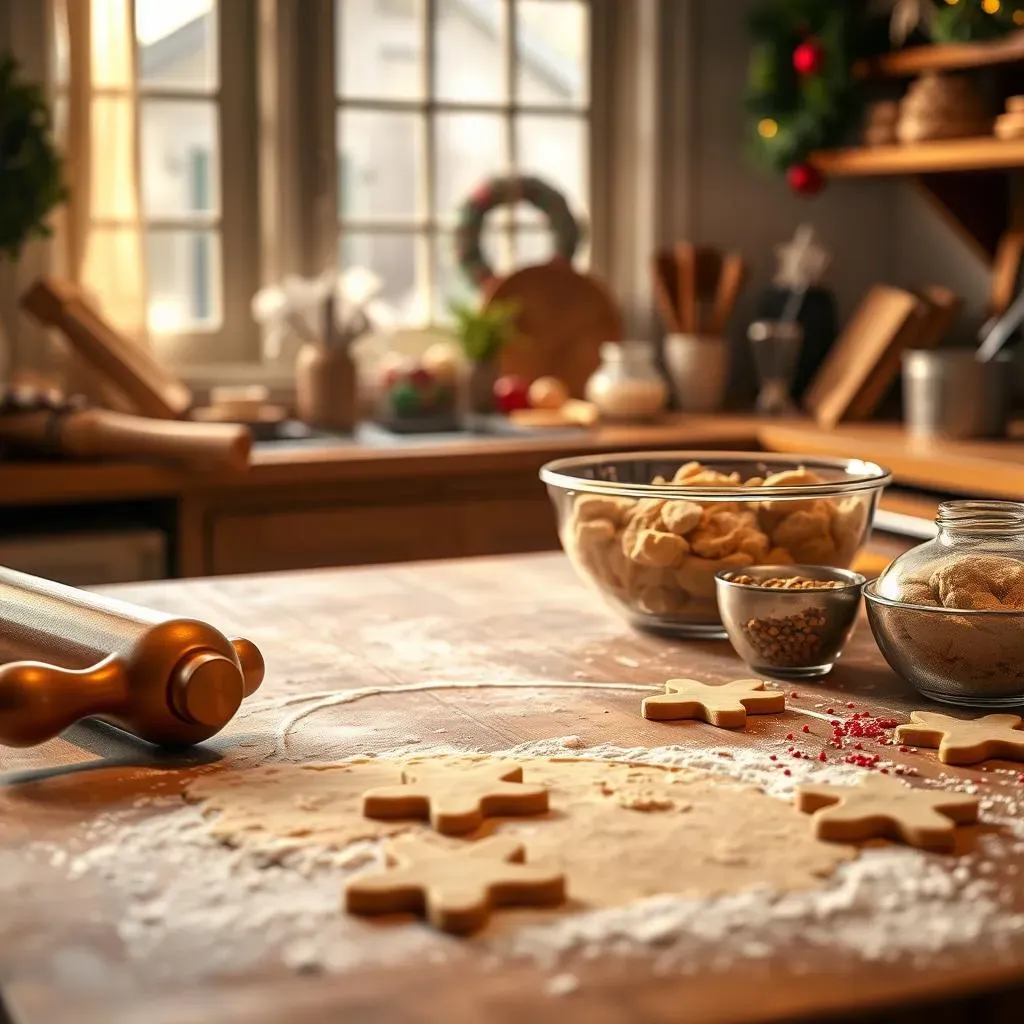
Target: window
x,y
274,138
434,96
177,117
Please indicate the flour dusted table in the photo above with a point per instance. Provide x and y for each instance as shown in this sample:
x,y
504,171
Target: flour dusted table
x,y
519,618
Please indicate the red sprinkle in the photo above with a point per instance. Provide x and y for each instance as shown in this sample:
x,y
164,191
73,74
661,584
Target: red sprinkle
x,y
786,771
806,728
822,757
904,750
790,736
1020,778
772,757
858,746
830,711
884,771
851,705
794,695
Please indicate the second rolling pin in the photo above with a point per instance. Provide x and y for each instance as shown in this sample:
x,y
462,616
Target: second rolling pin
x,y
98,433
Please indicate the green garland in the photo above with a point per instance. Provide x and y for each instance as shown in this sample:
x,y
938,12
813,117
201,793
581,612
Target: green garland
x,y
969,21
31,170
791,113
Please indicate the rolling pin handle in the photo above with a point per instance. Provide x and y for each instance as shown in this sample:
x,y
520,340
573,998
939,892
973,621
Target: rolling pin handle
x,y
253,666
38,701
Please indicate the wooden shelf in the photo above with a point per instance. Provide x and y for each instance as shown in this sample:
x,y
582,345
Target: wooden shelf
x,y
943,57
980,154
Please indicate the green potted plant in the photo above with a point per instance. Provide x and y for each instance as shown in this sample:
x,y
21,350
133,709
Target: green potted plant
x,y
31,169
482,332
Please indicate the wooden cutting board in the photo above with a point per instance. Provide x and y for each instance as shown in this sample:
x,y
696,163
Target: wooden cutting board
x,y
866,356
564,318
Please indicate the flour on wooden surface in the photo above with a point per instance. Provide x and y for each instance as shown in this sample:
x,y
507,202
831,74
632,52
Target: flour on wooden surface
x,y
188,900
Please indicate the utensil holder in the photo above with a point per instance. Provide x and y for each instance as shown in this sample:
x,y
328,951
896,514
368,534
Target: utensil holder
x,y
948,393
170,680
698,371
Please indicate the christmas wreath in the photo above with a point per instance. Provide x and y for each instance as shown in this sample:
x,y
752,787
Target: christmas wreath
x,y
800,92
505,191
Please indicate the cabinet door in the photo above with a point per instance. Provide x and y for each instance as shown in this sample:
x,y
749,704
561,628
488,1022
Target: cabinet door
x,y
305,538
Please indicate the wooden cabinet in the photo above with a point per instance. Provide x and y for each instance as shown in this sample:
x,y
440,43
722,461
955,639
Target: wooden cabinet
x,y
357,525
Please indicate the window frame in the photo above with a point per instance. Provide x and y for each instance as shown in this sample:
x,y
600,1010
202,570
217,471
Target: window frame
x,y
235,339
287,193
328,228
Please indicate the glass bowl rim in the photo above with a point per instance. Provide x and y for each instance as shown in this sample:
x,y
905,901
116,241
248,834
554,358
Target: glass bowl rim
x,y
871,596
855,580
871,476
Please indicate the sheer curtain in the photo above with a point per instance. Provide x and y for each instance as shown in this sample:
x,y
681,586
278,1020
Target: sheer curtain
x,y
100,241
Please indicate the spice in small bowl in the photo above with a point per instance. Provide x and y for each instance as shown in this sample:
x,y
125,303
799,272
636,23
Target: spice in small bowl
x,y
791,621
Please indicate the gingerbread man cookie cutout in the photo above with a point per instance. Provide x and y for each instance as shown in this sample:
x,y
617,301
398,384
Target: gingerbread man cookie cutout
x,y
965,741
883,808
456,799
455,889
725,706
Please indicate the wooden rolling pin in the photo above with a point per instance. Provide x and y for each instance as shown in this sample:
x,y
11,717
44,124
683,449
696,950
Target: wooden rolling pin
x,y
71,654
99,433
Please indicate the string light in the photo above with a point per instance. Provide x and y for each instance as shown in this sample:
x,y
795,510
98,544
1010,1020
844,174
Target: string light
x,y
952,3
1018,17
991,6
768,128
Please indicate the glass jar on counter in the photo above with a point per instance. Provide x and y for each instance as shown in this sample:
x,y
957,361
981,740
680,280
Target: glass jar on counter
x,y
948,615
627,386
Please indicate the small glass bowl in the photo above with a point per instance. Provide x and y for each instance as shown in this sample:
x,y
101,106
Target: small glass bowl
x,y
678,598
790,634
972,658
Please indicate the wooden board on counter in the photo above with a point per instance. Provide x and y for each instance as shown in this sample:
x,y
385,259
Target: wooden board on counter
x,y
63,958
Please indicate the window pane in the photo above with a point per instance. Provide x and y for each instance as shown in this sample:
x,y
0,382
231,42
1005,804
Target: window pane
x,y
551,52
177,43
555,149
450,284
378,48
533,247
179,158
183,280
470,148
470,51
380,165
394,258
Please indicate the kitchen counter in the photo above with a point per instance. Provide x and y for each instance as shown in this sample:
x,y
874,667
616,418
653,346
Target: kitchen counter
x,y
80,944
306,505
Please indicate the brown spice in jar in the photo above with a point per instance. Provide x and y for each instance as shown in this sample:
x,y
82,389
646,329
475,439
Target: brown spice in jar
x,y
789,641
788,583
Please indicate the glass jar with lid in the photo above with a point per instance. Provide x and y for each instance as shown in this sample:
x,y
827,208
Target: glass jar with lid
x,y
949,614
627,386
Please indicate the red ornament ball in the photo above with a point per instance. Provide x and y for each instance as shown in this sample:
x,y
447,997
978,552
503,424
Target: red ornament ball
x,y
511,393
805,180
808,57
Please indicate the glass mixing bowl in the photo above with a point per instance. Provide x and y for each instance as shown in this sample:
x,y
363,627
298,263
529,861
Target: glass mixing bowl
x,y
649,530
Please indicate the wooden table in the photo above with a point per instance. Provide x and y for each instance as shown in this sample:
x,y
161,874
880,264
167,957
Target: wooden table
x,y
521,618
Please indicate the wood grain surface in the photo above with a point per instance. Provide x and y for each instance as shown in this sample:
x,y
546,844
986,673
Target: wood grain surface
x,y
520,618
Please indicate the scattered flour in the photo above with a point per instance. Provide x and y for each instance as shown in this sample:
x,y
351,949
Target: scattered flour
x,y
562,985
282,901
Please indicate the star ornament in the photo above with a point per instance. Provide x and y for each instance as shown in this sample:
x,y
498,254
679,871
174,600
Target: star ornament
x,y
802,262
456,799
881,807
725,706
969,741
456,890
